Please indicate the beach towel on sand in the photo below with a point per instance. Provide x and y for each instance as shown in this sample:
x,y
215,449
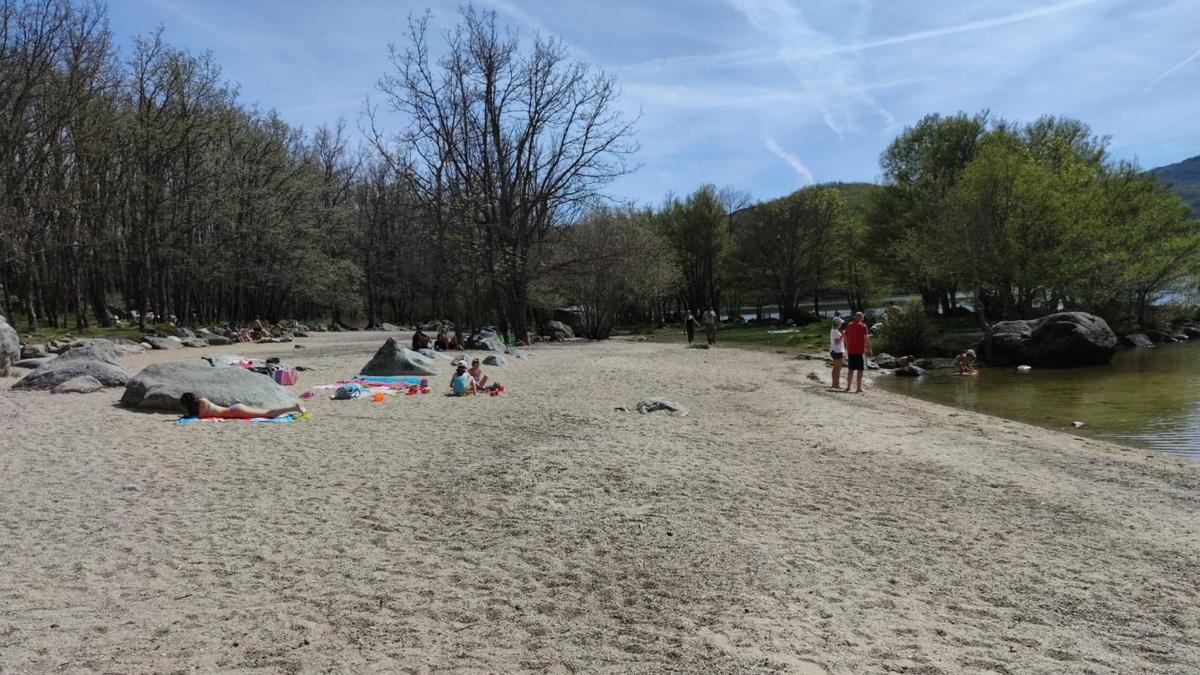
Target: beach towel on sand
x,y
290,417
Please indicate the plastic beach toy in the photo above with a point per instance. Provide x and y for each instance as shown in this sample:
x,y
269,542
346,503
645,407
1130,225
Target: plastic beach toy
x,y
378,397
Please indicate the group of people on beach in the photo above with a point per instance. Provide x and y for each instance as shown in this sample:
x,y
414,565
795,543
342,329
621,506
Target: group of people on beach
x,y
445,341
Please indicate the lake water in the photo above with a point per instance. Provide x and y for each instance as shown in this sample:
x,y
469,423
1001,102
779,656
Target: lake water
x,y
1148,398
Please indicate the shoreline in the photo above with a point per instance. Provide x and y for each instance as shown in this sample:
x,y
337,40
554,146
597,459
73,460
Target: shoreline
x,y
777,527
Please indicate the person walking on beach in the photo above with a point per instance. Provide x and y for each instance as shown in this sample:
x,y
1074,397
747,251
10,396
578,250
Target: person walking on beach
x,y
710,326
858,344
690,324
837,351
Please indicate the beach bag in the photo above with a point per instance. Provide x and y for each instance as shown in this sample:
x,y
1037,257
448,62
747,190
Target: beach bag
x,y
285,376
349,391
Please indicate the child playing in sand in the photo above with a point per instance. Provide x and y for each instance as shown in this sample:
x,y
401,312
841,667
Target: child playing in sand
x,y
476,373
966,363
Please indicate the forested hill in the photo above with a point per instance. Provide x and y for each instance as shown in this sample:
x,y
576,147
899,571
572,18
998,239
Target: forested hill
x,y
1184,178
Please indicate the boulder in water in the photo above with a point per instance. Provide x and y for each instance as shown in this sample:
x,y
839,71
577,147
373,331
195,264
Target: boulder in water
x,y
394,359
1138,340
159,387
909,371
90,360
10,346
84,384
1061,340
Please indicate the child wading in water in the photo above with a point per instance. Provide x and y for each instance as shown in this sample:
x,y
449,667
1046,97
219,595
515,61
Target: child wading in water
x,y
966,363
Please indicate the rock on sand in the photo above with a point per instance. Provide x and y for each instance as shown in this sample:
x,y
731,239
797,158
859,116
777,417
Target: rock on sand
x,y
84,384
159,386
394,359
91,360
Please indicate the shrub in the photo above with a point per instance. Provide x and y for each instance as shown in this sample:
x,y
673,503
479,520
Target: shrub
x,y
910,332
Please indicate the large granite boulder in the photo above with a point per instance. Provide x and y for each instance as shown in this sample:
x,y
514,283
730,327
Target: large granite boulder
x,y
1060,340
159,387
90,360
10,346
494,360
486,341
395,359
195,342
572,317
557,330
184,333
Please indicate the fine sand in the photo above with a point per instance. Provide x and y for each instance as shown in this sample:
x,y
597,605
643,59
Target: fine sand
x,y
778,527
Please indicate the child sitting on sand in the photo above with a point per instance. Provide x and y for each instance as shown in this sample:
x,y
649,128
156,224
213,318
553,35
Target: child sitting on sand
x,y
966,362
477,373
462,383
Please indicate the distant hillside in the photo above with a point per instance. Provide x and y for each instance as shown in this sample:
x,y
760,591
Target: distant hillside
x,y
1184,178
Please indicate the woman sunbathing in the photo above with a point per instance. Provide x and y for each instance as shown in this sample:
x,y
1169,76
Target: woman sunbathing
x,y
201,408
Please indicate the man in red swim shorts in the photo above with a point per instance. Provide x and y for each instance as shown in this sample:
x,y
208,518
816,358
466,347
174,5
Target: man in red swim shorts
x,y
858,344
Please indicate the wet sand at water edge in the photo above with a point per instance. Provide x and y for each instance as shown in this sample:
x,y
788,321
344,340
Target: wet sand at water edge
x,y
778,527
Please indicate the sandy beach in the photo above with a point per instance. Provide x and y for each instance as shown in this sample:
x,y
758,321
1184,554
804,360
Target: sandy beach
x,y
778,527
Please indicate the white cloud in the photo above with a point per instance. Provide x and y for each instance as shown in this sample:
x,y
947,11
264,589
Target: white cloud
x,y
802,171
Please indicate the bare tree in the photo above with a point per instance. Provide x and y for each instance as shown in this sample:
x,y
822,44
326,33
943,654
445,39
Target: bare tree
x,y
522,138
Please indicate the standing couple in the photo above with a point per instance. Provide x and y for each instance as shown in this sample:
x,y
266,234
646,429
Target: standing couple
x,y
854,341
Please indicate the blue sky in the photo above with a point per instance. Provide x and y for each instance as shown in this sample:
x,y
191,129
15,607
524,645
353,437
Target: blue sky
x,y
759,95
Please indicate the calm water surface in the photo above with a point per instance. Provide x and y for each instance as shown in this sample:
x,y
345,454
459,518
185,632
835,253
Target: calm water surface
x,y
1148,398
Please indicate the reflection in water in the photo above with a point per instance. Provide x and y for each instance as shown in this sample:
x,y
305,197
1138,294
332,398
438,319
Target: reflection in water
x,y
1145,397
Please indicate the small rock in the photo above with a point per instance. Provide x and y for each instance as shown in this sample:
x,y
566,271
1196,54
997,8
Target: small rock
x,y
298,347
1077,424
494,360
649,405
129,487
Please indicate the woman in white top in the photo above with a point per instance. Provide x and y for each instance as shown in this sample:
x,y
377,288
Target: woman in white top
x,y
837,350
